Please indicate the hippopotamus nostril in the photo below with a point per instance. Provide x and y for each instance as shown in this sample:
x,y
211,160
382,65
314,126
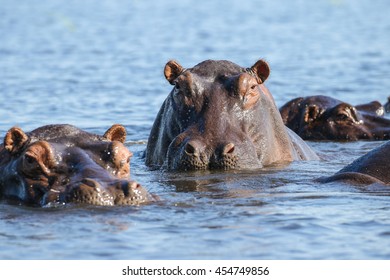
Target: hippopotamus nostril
x,y
130,193
90,183
134,185
192,148
228,149
128,187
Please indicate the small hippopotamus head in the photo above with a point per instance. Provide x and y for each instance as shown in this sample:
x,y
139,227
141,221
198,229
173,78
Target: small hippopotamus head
x,y
218,116
60,163
325,118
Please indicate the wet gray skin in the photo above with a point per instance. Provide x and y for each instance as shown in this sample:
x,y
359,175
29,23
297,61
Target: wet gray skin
x,y
63,164
220,116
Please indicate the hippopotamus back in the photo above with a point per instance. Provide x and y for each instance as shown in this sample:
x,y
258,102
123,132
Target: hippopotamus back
x,y
370,168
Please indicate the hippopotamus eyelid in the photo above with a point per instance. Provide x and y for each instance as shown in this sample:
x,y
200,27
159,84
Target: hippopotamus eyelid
x,y
343,116
30,159
34,163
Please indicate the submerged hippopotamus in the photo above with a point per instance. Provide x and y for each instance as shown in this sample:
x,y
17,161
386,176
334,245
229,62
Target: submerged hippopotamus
x,y
220,116
371,168
61,163
325,118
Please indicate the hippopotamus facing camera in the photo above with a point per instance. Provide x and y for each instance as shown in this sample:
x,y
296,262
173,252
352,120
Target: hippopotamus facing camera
x,y
220,116
325,118
61,163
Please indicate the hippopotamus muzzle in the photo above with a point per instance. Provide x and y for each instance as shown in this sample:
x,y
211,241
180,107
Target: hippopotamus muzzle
x,y
90,191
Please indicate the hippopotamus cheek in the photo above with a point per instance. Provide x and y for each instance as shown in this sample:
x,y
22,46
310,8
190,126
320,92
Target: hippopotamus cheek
x,y
123,172
350,132
250,156
12,183
16,187
173,155
317,130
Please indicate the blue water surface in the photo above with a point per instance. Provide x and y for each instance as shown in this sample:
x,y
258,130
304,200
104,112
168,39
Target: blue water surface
x,y
93,63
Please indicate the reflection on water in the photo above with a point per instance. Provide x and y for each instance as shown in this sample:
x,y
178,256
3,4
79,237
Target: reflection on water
x,y
95,63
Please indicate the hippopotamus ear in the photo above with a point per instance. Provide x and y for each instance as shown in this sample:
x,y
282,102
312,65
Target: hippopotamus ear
x,y
261,70
116,133
172,70
14,140
311,113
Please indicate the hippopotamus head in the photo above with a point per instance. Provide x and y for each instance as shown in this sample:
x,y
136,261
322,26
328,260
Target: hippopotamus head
x,y
61,163
325,118
218,116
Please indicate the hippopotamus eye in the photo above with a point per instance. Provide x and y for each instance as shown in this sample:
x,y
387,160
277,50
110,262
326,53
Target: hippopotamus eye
x,y
177,88
30,162
342,116
30,159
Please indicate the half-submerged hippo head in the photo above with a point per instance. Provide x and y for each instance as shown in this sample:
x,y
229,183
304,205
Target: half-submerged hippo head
x,y
219,116
325,118
61,163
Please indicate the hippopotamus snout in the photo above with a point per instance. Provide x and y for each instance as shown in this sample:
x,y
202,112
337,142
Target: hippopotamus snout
x,y
120,192
195,154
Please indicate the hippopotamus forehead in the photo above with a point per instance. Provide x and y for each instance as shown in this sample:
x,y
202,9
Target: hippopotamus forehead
x,y
105,147
62,133
64,154
322,101
216,68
